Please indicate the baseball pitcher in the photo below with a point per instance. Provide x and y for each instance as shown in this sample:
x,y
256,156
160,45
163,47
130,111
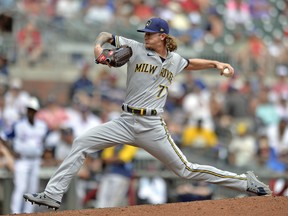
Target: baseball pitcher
x,y
151,68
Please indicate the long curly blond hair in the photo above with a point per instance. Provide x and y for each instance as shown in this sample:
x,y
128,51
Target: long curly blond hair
x,y
171,43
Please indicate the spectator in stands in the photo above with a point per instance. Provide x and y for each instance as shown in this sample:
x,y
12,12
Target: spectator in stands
x,y
263,150
273,149
73,110
99,12
48,157
179,20
278,50
235,52
191,6
237,12
279,88
196,32
15,100
101,81
54,115
242,149
217,99
152,189
174,99
236,103
196,105
108,95
32,8
68,9
271,156
118,170
105,81
223,130
29,44
83,83
198,136
142,10
65,144
282,108
191,81
83,120
254,55
249,90
271,160
27,137
214,24
265,112
112,90
124,13
278,137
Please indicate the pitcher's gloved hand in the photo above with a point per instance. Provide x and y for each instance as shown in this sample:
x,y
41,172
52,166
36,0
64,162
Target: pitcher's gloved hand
x,y
115,57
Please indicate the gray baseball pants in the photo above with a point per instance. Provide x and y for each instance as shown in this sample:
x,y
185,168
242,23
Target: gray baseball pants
x,y
147,132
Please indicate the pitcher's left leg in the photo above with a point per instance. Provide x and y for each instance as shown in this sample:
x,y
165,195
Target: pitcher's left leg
x,y
162,146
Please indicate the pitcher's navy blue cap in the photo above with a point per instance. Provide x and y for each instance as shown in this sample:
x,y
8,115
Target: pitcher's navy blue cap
x,y
156,25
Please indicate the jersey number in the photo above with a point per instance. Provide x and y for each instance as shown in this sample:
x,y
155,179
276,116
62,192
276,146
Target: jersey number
x,y
162,90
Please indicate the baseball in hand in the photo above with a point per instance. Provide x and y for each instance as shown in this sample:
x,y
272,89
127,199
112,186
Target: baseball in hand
x,y
227,72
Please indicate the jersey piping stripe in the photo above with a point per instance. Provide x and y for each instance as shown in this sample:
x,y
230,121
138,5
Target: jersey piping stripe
x,y
175,148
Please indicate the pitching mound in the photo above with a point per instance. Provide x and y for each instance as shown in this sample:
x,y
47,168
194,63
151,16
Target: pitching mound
x,y
264,206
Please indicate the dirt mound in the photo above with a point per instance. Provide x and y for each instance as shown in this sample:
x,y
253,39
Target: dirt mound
x,y
264,206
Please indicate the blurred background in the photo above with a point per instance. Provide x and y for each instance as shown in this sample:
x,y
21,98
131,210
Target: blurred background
x,y
237,124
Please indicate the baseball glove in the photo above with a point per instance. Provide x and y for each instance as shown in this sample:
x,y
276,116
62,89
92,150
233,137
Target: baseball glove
x,y
116,57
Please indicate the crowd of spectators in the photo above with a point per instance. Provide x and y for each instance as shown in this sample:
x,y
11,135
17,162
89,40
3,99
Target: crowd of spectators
x,y
242,120
257,27
236,28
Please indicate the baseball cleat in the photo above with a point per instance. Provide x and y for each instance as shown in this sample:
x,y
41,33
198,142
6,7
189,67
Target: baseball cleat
x,y
42,199
255,186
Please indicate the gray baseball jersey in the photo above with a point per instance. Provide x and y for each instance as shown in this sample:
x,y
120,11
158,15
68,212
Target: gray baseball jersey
x,y
148,79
